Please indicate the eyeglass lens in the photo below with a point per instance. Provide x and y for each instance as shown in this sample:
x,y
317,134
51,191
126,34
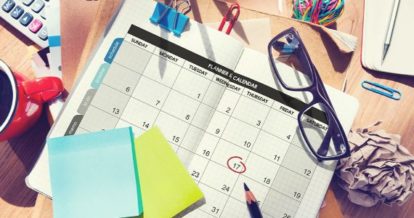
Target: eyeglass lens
x,y
289,59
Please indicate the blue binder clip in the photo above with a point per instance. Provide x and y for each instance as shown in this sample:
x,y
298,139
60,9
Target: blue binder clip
x,y
171,18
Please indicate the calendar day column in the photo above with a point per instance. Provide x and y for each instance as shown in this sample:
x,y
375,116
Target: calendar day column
x,y
115,91
218,178
249,117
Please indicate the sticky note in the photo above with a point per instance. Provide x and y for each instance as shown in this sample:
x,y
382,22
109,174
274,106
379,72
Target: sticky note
x,y
94,175
167,188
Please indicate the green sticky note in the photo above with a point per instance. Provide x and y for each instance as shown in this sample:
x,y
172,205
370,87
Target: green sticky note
x,y
95,175
167,188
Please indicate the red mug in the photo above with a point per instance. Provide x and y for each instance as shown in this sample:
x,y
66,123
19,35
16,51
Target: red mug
x,y
21,100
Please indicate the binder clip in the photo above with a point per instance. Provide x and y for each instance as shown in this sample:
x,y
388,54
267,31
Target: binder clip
x,y
231,17
171,17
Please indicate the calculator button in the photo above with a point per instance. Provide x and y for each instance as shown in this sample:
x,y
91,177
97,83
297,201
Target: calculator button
x,y
38,5
8,5
26,19
17,12
35,25
27,2
43,34
43,13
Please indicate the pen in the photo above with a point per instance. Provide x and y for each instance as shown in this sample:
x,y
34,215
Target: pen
x,y
390,29
252,204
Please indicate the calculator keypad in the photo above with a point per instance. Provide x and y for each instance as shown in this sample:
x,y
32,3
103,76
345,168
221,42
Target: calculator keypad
x,y
28,17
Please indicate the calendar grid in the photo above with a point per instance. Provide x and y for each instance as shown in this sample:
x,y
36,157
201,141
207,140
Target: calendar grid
x,y
225,122
204,156
209,105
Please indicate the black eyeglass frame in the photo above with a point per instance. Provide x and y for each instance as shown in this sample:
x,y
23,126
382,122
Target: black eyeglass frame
x,y
320,96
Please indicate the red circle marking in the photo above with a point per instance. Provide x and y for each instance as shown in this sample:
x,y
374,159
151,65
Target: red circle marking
x,y
243,169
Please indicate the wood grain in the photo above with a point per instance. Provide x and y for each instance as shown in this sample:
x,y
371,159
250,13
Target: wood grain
x,y
17,156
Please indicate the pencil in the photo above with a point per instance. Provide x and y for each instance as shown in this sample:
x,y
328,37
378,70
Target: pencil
x,y
390,30
252,204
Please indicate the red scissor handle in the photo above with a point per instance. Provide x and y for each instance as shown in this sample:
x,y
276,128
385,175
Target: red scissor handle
x,y
231,16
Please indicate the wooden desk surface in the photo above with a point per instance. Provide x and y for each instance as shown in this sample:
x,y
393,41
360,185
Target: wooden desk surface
x,y
18,156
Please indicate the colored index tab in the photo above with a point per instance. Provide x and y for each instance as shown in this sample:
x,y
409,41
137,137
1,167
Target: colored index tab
x,y
116,44
167,188
94,175
100,75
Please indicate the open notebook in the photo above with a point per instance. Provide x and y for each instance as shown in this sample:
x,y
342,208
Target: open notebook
x,y
376,19
217,104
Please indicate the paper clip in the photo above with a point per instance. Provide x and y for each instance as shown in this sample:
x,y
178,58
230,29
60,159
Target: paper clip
x,y
381,89
171,17
231,17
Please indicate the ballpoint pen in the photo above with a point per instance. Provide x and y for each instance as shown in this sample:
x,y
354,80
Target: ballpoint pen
x,y
390,29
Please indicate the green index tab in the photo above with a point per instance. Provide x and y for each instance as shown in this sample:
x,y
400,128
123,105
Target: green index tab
x,y
167,188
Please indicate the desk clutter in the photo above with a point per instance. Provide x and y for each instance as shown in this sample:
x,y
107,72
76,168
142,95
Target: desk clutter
x,y
225,126
171,118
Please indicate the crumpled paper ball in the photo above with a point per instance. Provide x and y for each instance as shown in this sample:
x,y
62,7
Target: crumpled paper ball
x,y
379,169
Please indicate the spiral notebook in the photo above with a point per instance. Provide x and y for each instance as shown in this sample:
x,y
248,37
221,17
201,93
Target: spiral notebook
x,y
216,103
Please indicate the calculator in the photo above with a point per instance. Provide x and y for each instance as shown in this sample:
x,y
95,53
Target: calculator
x,y
28,17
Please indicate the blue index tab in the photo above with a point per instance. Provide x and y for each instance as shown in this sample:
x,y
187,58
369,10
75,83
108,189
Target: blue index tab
x,y
95,175
169,18
116,44
54,41
100,75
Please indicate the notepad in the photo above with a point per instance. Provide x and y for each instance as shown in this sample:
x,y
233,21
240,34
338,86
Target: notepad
x,y
377,14
215,102
94,175
167,188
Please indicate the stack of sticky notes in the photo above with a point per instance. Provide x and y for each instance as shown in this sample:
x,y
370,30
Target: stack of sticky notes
x,y
167,188
103,174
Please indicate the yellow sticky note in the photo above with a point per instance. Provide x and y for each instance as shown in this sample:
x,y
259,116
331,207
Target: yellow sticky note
x,y
166,187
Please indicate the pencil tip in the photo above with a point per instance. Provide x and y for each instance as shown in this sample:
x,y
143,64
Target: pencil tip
x,y
245,187
384,52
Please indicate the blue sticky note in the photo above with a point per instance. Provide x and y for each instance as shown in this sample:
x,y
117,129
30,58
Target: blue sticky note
x,y
94,175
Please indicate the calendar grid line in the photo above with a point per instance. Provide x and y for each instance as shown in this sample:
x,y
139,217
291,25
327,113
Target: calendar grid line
x,y
132,91
158,55
212,81
272,109
255,140
120,118
211,160
241,201
198,107
307,186
275,181
168,94
251,151
220,138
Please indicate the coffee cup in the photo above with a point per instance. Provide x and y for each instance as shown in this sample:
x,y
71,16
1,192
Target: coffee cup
x,y
21,100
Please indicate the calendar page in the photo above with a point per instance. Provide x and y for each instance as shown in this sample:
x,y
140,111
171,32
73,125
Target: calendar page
x,y
226,127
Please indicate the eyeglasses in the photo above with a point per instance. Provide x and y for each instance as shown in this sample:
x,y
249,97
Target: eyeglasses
x,y
319,126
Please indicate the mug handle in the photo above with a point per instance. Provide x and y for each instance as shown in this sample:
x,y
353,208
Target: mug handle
x,y
43,89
